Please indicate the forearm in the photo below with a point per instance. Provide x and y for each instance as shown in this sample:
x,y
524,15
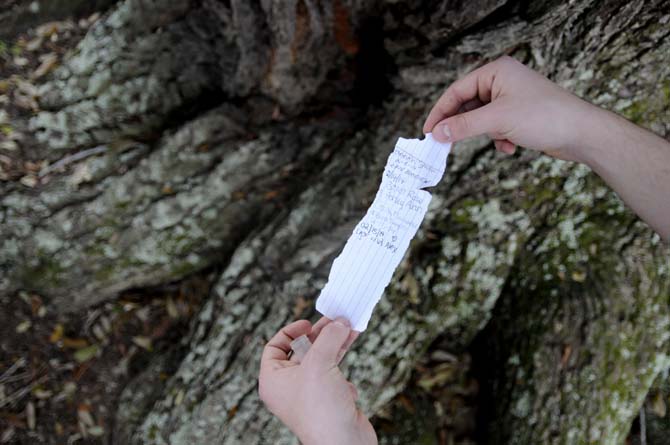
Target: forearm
x,y
633,161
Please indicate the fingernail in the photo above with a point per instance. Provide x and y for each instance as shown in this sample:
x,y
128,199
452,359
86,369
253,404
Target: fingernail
x,y
342,322
446,131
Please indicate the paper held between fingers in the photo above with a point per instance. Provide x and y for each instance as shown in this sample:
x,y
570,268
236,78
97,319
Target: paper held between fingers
x,y
365,266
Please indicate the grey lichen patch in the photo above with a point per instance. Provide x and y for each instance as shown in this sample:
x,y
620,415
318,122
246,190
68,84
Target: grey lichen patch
x,y
470,273
540,233
166,214
46,241
606,366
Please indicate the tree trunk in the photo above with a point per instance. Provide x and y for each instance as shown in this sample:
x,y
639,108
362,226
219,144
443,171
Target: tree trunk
x,y
251,137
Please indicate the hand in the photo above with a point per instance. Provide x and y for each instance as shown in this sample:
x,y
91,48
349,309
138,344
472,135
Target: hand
x,y
313,398
513,105
516,106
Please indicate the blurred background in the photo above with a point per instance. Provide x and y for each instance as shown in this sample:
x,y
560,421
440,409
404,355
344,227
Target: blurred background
x,y
176,177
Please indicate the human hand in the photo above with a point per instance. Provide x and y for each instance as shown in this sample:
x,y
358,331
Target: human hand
x,y
513,105
313,398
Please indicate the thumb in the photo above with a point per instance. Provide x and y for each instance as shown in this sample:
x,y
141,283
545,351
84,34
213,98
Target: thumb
x,y
326,348
482,120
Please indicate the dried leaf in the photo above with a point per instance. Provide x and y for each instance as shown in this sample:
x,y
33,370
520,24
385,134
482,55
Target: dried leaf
x,y
29,181
84,414
171,308
96,431
20,61
68,389
567,352
407,403
25,102
438,376
50,28
25,87
34,44
93,18
98,332
23,326
85,354
143,313
179,397
74,343
42,393
272,194
30,415
106,324
579,276
443,356
57,333
9,145
48,64
7,435
143,342
658,405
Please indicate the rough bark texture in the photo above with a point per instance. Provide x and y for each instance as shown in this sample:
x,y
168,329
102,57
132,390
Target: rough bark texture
x,y
252,135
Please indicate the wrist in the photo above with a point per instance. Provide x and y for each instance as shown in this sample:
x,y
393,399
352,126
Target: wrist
x,y
600,133
339,437
587,124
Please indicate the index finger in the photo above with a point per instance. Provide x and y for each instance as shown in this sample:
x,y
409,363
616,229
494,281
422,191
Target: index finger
x,y
475,85
280,345
319,325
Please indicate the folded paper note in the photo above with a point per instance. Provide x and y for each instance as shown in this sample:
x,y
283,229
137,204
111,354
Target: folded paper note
x,y
373,251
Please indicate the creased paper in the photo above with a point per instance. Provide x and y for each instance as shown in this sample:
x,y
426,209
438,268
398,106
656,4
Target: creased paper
x,y
373,251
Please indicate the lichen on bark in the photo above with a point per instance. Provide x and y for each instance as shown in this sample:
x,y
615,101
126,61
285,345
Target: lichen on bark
x,y
250,138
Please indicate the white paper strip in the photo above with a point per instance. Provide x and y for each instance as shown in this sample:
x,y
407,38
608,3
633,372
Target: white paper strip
x,y
362,271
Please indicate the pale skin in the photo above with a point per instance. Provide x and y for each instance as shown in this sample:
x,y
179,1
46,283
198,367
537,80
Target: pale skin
x,y
514,106
312,397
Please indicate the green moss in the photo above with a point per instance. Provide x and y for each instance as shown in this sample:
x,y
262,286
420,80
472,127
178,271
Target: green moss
x,y
105,273
183,268
49,272
666,91
94,250
179,244
636,112
122,205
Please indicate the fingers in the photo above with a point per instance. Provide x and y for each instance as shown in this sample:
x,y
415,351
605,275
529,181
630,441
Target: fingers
x,y
483,120
325,352
505,146
353,391
475,86
316,329
470,105
279,346
319,325
353,335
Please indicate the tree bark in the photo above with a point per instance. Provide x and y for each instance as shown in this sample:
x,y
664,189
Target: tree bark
x,y
252,136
